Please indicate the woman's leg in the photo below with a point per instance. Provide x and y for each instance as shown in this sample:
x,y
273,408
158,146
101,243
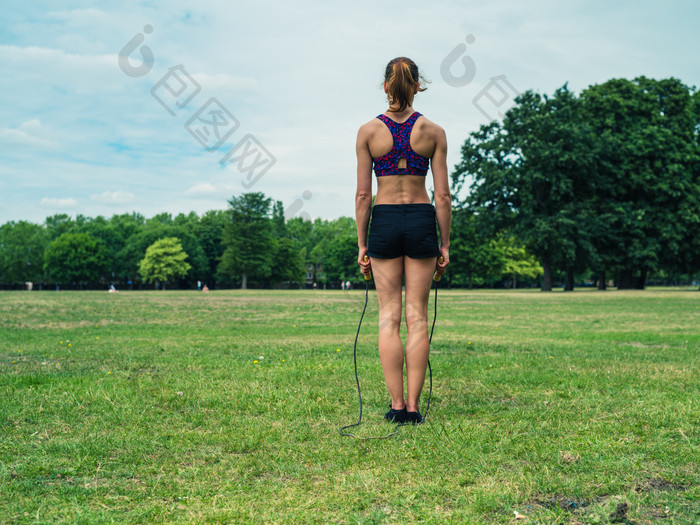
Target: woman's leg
x,y
419,274
388,278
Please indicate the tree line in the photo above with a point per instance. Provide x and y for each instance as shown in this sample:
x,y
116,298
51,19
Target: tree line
x,y
250,244
587,189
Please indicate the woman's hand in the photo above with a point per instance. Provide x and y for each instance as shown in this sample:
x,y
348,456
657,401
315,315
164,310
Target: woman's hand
x,y
440,267
365,266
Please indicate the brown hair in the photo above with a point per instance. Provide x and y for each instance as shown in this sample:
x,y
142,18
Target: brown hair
x,y
402,76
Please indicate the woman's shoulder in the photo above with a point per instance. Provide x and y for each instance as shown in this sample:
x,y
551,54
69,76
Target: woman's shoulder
x,y
370,127
428,124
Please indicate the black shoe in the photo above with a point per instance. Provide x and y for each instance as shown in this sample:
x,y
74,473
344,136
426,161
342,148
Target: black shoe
x,y
414,418
396,416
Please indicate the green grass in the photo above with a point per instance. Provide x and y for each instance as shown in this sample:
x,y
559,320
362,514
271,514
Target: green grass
x,y
149,407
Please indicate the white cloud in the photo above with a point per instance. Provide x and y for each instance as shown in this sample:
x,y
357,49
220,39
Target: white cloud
x,y
30,133
113,197
57,58
37,67
52,202
207,189
203,188
80,17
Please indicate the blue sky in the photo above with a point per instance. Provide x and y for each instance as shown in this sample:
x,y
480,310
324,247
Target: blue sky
x,y
290,81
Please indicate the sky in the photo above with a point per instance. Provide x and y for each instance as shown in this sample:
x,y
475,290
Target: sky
x,y
155,106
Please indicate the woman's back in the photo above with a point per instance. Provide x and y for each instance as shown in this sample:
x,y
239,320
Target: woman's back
x,y
403,188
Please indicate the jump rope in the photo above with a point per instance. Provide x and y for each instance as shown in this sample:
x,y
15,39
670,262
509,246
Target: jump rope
x,y
368,278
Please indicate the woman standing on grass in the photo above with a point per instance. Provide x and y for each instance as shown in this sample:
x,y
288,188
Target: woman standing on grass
x,y
402,243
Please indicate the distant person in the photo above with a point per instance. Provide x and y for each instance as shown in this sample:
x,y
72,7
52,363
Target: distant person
x,y
199,285
205,288
402,243
113,289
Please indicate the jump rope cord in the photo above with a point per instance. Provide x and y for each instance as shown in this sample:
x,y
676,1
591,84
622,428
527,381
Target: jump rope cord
x,y
357,379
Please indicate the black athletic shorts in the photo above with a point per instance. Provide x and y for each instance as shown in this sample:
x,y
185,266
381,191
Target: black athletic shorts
x,y
403,229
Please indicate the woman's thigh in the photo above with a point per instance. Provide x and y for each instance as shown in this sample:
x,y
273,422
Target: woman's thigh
x,y
419,274
388,279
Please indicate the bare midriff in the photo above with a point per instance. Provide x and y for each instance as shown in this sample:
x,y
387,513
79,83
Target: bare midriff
x,y
401,189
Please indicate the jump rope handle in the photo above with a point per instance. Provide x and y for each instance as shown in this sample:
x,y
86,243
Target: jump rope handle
x,y
437,277
368,276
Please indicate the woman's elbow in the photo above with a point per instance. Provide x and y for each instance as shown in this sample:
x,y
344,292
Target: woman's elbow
x,y
443,199
362,197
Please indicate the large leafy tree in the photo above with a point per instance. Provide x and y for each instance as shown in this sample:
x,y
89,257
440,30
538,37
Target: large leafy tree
x,y
76,258
247,239
287,263
122,228
22,246
135,248
334,250
532,175
303,232
518,263
187,228
288,260
648,162
165,260
101,228
208,231
475,257
58,224
692,240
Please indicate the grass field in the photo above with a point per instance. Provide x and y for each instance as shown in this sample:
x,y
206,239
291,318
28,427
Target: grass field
x,y
225,407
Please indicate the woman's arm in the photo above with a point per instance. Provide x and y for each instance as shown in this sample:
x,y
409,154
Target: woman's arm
x,y
363,196
443,198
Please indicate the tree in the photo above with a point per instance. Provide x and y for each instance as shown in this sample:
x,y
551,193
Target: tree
x,y
186,228
247,239
279,226
75,258
518,264
335,250
303,232
57,225
209,232
164,260
135,248
475,258
648,159
341,257
123,227
533,176
22,246
288,265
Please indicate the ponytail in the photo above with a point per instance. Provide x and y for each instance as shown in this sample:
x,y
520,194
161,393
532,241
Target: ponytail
x,y
402,77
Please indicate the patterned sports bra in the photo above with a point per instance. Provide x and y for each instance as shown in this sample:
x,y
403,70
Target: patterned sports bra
x,y
401,133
